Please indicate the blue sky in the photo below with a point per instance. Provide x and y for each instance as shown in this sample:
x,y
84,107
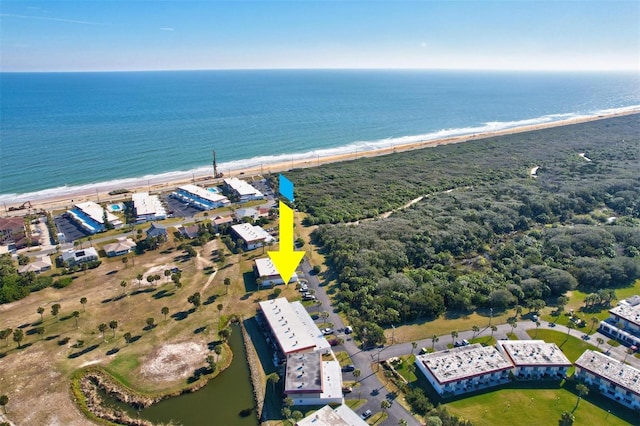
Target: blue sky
x,y
59,35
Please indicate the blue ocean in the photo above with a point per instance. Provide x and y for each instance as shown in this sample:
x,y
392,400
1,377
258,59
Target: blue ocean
x,y
65,131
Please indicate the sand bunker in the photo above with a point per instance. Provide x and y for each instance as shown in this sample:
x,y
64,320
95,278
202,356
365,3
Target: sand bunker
x,y
174,361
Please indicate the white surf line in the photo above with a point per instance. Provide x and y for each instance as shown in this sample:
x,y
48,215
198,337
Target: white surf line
x,y
583,156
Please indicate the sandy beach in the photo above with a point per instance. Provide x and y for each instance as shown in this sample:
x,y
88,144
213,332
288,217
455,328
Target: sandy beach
x,y
66,201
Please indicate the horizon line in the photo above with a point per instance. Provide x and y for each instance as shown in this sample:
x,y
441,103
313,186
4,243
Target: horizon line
x,y
541,70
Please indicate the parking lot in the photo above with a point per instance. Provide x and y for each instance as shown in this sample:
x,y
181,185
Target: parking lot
x,y
69,228
179,208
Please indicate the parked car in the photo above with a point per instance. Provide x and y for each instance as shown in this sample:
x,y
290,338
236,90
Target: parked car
x,y
349,367
308,296
348,330
423,351
534,318
465,342
457,343
327,331
366,414
347,389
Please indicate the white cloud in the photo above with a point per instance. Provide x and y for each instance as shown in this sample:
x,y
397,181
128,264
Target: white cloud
x,y
44,18
166,28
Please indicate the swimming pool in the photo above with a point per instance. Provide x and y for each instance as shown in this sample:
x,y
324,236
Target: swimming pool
x,y
117,207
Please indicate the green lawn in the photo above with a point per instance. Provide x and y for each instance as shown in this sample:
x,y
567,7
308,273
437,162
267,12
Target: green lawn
x,y
513,406
484,340
403,369
343,358
572,346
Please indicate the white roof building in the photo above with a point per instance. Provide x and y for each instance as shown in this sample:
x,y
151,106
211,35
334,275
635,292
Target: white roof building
x,y
464,369
292,327
91,216
244,190
311,381
74,257
43,263
534,359
614,379
124,245
252,235
148,207
267,272
201,198
326,416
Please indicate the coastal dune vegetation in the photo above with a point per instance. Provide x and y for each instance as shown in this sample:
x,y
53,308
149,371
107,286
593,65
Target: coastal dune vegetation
x,y
486,234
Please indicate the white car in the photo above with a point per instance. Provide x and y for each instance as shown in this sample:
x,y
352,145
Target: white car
x,y
327,331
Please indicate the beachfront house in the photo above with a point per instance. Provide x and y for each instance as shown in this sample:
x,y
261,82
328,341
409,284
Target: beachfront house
x,y
242,190
147,207
13,233
93,218
200,198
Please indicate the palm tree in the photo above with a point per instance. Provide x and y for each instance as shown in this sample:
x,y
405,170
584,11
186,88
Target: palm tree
x,y
537,326
224,333
227,283
324,316
18,335
113,325
167,274
582,391
513,323
493,329
594,321
123,284
4,400
102,328
125,260
434,339
600,341
475,330
356,374
454,336
41,311
83,301
127,337
273,378
518,311
220,307
150,322
414,345
40,331
570,326
139,278
165,312
384,405
76,315
402,422
55,309
218,350
629,351
4,335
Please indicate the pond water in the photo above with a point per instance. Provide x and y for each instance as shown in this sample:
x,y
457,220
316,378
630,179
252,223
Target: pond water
x,y
225,400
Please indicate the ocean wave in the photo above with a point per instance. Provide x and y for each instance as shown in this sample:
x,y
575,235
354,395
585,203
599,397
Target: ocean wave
x,y
264,162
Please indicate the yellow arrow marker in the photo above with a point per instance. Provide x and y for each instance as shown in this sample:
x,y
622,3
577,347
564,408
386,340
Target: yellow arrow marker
x,y
286,260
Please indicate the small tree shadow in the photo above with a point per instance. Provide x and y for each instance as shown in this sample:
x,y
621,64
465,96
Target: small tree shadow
x,y
113,351
200,329
82,352
179,316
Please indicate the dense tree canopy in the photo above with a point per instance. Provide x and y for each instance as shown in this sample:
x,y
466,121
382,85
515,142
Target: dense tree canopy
x,y
486,233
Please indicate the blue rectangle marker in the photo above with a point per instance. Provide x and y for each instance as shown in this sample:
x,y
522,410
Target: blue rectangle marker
x,y
286,188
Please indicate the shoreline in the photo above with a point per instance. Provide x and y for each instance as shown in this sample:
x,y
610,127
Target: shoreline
x,y
63,201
